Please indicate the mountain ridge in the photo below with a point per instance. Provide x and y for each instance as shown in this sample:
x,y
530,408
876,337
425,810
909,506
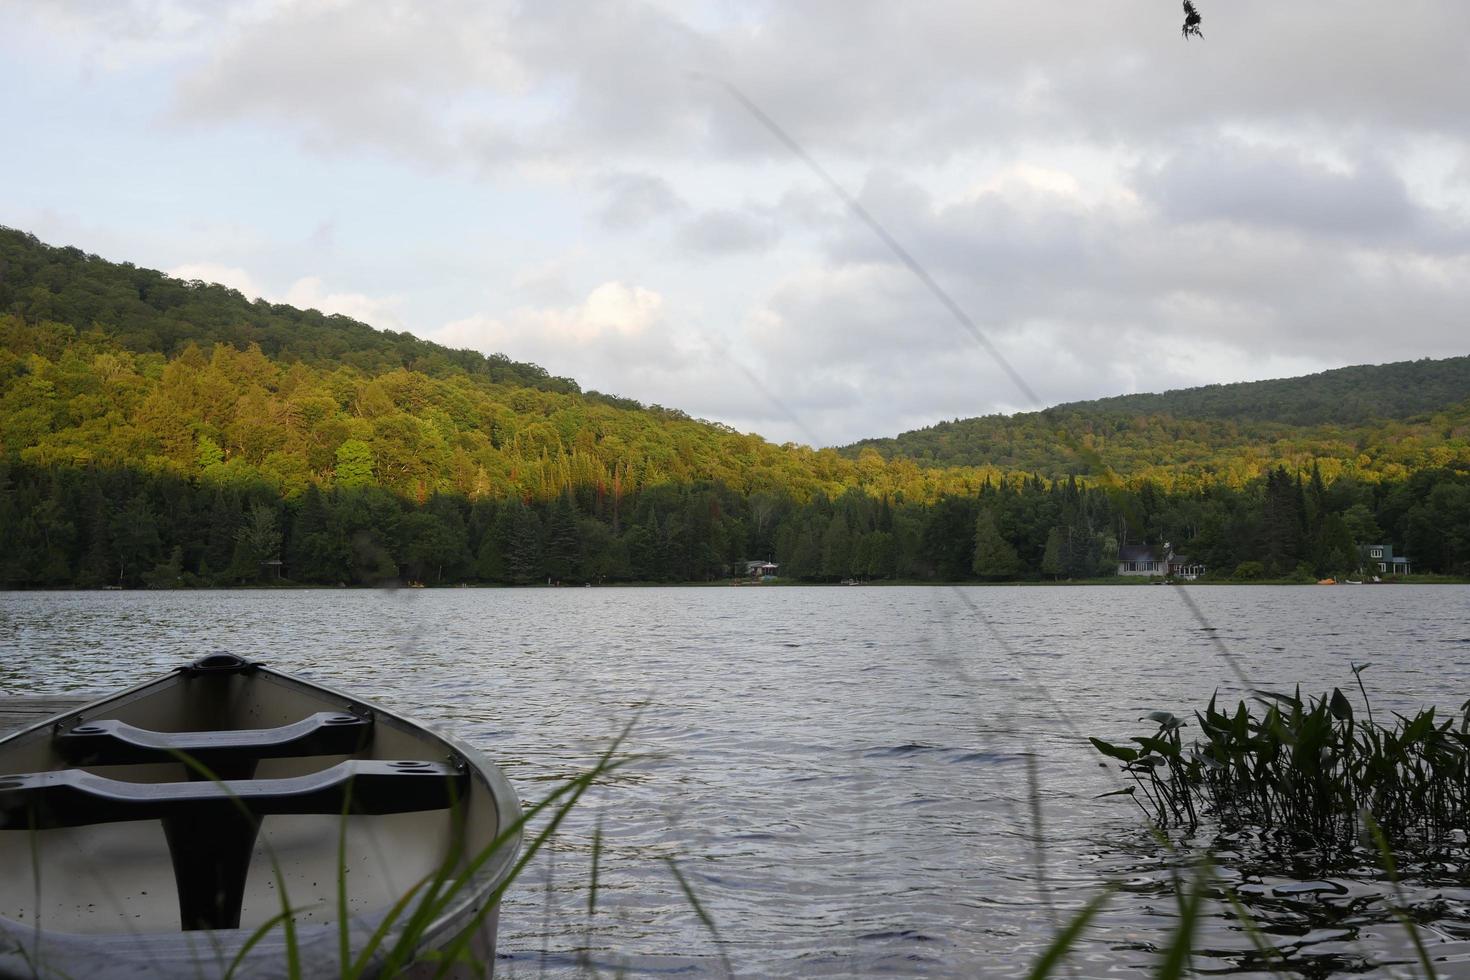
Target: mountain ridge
x,y
161,433
1327,406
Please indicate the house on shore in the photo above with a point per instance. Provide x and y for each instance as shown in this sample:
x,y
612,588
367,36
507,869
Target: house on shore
x,y
759,571
1160,562
1141,559
1379,559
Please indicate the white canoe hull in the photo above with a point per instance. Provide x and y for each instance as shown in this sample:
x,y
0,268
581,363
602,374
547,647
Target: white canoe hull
x,y
153,833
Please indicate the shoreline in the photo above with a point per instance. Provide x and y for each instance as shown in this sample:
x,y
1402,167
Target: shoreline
x,y
1122,581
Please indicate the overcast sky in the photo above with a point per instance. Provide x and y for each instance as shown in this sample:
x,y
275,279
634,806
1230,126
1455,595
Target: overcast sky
x,y
1115,208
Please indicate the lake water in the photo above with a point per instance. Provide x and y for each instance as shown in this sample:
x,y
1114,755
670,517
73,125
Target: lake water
x,y
842,775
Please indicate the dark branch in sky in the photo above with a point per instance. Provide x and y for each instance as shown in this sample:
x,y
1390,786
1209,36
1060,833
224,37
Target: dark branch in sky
x,y
1192,20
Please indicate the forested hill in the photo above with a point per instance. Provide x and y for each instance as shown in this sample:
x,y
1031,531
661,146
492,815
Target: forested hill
x,y
165,433
146,311
1347,407
1343,396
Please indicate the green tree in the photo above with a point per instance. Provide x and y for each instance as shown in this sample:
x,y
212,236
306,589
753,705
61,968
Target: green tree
x,y
134,537
563,553
431,547
995,557
354,465
836,549
168,574
1339,553
523,548
257,545
1361,525
1052,559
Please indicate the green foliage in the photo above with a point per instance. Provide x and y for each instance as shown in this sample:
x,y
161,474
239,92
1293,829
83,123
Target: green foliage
x,y
257,542
1051,558
1388,419
141,416
149,311
995,557
1305,770
354,467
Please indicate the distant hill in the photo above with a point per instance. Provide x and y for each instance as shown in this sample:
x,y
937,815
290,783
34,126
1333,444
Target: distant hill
x,y
103,361
1342,396
1336,413
145,310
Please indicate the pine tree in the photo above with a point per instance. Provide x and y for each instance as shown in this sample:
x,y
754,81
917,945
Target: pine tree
x,y
836,549
523,548
995,558
563,540
1051,559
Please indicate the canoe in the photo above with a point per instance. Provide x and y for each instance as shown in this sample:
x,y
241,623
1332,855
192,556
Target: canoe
x,y
158,831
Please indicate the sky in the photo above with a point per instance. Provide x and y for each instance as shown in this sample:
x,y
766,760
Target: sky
x,y
1113,208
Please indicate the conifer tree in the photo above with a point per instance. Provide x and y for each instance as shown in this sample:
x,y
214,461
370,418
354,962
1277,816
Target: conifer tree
x,y
995,558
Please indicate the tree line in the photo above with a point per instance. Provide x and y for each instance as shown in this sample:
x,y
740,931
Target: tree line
x,y
97,527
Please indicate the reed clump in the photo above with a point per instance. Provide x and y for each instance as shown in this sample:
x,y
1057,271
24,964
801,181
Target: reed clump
x,y
1308,770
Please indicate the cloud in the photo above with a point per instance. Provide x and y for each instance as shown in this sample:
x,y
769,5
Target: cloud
x,y
632,201
616,327
725,231
232,276
1113,207
311,293
1088,300
308,292
1225,180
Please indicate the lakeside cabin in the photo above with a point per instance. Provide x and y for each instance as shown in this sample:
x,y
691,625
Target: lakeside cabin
x,y
759,571
1161,562
1379,559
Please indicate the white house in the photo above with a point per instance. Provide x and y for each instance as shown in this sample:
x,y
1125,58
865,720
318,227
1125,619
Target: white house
x,y
1161,562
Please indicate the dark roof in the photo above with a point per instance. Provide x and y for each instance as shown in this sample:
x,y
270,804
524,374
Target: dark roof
x,y
1135,552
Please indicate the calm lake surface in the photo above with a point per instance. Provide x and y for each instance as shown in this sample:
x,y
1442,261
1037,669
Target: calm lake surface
x,y
843,775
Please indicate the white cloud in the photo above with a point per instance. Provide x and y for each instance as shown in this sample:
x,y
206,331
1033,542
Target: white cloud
x,y
226,275
614,324
310,292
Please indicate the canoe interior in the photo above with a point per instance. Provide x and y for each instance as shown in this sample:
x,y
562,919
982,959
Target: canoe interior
x,y
118,878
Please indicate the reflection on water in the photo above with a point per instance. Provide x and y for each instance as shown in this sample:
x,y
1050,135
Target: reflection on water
x,y
841,774
1316,919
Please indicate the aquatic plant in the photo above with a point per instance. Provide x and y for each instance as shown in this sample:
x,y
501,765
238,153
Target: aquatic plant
x,y
1309,770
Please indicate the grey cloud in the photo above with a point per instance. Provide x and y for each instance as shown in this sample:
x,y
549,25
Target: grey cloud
x,y
633,200
1226,181
1262,252
345,76
724,232
1088,301
859,78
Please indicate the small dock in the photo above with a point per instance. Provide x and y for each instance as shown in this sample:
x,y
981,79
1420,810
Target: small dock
x,y
21,712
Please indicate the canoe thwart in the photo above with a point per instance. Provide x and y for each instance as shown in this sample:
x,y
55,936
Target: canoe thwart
x,y
211,826
77,798
107,743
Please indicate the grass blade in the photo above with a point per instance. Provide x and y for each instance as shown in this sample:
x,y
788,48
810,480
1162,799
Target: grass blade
x,y
1399,907
1062,944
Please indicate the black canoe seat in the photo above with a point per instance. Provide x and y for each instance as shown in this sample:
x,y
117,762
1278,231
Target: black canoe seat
x,y
107,743
211,826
